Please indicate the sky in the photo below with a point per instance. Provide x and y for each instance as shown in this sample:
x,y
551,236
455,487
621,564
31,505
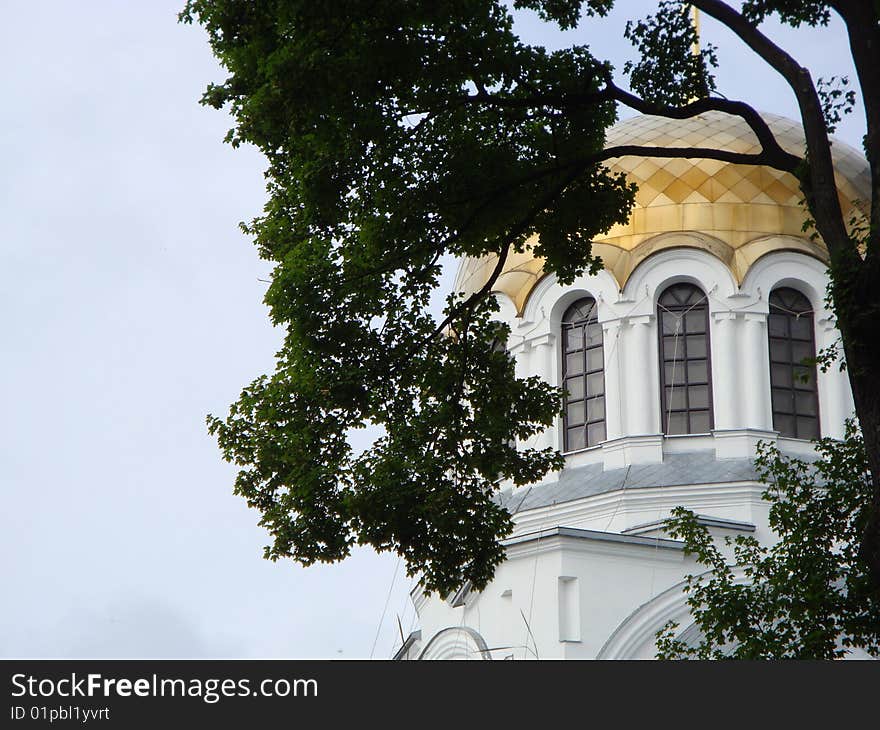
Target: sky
x,y
132,307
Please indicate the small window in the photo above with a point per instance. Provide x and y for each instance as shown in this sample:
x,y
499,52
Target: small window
x,y
793,390
685,368
583,376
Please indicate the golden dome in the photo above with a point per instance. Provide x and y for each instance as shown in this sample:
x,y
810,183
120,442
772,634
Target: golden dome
x,y
737,212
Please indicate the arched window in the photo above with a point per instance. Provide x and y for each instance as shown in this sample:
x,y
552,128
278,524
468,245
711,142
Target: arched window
x,y
792,380
685,369
583,376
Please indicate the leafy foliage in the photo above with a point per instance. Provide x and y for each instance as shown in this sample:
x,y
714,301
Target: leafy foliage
x,y
808,596
837,100
792,12
377,170
397,134
565,13
669,70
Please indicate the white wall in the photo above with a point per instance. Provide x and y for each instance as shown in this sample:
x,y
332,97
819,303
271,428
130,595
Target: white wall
x,y
738,341
621,593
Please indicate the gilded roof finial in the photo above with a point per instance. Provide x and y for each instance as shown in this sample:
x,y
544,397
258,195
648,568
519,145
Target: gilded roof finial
x,y
695,19
695,46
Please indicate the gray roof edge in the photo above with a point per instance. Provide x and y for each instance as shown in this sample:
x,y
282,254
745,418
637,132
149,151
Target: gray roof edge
x,y
410,640
705,520
698,468
597,535
459,598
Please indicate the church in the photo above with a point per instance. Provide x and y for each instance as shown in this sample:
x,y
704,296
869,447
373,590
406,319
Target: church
x,y
677,358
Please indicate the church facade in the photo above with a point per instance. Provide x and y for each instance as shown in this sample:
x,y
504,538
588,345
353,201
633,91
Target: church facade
x,y
678,357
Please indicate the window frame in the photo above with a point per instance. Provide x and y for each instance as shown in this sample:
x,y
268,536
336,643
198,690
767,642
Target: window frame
x,y
567,325
789,315
688,411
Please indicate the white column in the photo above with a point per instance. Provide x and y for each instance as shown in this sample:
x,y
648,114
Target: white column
x,y
613,394
544,363
838,405
754,361
835,395
641,374
844,398
726,393
522,357
545,359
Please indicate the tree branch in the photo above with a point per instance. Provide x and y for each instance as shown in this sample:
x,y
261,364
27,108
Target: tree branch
x,y
788,163
818,181
785,160
504,251
863,28
773,154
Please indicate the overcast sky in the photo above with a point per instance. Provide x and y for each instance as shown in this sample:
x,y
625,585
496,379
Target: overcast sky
x,y
132,306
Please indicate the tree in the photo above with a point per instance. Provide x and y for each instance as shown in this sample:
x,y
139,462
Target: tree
x,y
397,132
808,596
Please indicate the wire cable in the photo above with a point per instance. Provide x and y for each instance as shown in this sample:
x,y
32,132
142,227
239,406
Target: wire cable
x,y
385,609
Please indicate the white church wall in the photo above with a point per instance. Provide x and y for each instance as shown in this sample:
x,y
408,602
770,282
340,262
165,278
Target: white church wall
x,y
520,615
580,597
738,350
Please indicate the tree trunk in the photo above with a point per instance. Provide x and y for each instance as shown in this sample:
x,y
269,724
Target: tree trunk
x,y
858,317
